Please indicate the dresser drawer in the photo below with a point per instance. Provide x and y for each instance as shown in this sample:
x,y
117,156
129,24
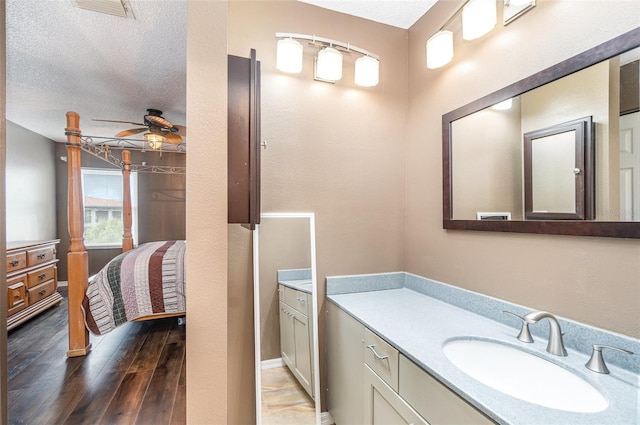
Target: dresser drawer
x,y
36,277
17,294
40,255
297,299
16,261
382,358
41,291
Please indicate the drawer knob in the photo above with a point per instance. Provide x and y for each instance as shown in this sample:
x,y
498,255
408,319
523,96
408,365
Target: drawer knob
x,y
300,299
42,256
44,291
375,353
42,276
14,263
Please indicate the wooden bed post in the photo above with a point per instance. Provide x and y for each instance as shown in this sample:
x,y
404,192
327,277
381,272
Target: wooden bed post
x,y
127,237
77,258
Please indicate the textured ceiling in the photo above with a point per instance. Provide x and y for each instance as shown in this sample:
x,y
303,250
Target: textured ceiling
x,y
397,13
62,58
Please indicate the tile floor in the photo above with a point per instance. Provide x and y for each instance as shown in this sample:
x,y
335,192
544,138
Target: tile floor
x,y
284,401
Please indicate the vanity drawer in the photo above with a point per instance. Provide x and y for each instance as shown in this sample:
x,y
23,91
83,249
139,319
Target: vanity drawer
x,y
37,277
42,291
40,255
16,261
382,358
434,401
16,294
296,299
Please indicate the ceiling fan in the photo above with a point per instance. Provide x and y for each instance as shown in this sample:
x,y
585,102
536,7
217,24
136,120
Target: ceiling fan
x,y
159,129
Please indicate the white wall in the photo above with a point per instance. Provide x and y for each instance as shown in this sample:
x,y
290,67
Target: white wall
x,y
30,185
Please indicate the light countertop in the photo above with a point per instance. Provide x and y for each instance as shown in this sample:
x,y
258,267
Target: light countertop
x,y
418,325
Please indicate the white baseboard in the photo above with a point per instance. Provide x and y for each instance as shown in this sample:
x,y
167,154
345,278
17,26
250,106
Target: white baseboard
x,y
63,283
271,363
326,419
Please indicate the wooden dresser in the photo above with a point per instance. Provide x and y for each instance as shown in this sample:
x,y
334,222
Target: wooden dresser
x,y
32,279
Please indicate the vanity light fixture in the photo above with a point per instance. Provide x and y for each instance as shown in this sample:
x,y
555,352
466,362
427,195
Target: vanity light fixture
x,y
328,63
439,49
478,18
289,56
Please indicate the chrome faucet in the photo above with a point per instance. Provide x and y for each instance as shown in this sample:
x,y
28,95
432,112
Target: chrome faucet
x,y
555,345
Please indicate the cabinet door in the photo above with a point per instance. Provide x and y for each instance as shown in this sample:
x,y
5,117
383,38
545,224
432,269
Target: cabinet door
x,y
287,343
383,406
302,356
345,359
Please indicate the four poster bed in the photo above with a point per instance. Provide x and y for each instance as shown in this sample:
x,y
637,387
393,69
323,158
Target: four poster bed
x,y
142,283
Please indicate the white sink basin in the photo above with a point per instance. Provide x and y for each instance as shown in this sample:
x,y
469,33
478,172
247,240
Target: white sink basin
x,y
524,376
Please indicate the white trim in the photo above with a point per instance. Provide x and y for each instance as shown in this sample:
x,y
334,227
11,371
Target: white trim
x,y
271,363
256,325
63,283
326,419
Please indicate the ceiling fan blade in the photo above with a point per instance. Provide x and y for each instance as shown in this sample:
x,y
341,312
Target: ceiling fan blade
x,y
172,138
131,132
159,121
125,122
182,130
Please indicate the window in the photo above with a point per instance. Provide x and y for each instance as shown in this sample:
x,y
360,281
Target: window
x,y
102,197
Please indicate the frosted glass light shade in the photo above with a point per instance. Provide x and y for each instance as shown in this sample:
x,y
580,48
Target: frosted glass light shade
x,y
329,64
289,56
439,49
367,71
478,18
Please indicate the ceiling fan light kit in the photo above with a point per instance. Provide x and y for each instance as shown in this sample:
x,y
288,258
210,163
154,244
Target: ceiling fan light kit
x,y
159,130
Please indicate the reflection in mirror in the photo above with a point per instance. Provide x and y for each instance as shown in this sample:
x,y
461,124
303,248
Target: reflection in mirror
x,y
286,331
484,146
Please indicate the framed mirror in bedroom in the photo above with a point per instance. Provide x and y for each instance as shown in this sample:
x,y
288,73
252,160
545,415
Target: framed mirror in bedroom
x,y
285,319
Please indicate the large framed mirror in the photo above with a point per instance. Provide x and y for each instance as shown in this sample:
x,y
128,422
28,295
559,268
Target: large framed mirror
x,y
485,181
285,314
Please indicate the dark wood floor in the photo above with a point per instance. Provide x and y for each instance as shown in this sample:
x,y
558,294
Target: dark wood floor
x,y
133,375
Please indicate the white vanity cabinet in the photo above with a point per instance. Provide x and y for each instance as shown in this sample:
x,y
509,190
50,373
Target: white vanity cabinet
x,y
396,390
296,335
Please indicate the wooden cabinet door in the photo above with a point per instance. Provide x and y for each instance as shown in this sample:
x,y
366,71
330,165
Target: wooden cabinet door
x,y
383,406
243,140
345,360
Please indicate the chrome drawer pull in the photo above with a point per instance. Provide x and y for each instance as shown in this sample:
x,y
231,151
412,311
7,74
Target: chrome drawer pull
x,y
42,276
14,263
375,353
41,256
302,300
44,291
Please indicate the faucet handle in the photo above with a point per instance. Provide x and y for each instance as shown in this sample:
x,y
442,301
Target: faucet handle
x,y
596,362
524,335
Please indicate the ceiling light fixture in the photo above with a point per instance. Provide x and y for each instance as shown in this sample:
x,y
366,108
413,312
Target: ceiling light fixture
x,y
155,140
328,63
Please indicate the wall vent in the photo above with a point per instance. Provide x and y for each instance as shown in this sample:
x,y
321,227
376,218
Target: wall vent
x,y
120,8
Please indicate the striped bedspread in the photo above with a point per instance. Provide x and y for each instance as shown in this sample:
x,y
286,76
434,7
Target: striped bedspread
x,y
144,281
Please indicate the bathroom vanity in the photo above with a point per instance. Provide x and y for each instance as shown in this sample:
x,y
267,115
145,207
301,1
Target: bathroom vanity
x,y
296,326
388,359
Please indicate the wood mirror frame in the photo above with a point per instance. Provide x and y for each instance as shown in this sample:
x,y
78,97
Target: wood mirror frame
x,y
614,229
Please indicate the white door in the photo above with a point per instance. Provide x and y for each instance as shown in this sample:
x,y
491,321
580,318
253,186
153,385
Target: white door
x,y
630,167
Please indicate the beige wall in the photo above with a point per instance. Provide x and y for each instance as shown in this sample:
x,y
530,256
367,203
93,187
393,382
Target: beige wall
x,y
335,150
592,280
206,213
